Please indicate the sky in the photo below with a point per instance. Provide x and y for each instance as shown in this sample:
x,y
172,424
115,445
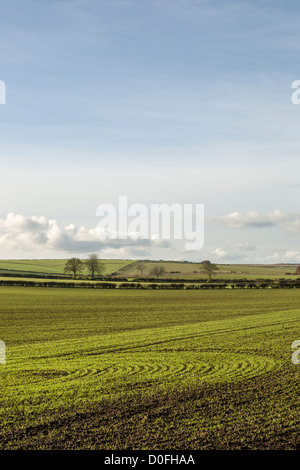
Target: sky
x,y
161,101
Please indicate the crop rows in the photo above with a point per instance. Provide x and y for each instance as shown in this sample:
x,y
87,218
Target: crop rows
x,y
73,360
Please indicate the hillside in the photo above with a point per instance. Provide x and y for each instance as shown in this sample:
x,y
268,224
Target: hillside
x,y
173,269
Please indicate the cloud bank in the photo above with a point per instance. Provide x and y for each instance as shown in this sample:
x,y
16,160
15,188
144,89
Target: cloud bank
x,y
30,233
277,218
41,237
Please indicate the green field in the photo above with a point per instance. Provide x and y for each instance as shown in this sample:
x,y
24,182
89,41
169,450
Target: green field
x,y
173,270
52,266
89,369
185,270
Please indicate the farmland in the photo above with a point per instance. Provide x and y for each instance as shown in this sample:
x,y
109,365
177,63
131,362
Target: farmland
x,y
50,266
129,268
96,369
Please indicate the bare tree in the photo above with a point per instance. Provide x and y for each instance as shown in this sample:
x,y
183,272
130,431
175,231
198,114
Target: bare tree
x,y
209,268
93,265
141,267
158,271
74,265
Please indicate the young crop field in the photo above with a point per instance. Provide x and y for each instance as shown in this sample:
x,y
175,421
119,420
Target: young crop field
x,y
95,369
52,266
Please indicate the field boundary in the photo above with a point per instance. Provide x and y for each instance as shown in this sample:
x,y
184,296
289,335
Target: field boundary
x,y
152,284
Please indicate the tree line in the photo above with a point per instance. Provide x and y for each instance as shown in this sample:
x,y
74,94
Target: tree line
x,y
93,265
205,266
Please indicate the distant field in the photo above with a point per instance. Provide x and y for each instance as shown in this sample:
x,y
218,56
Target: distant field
x,y
185,270
173,270
52,266
89,369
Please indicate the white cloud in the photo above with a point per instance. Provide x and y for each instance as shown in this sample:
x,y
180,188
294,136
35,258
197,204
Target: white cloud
x,y
277,218
21,233
234,251
219,253
286,257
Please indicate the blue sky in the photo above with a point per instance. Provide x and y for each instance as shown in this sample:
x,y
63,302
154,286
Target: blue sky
x,y
164,101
